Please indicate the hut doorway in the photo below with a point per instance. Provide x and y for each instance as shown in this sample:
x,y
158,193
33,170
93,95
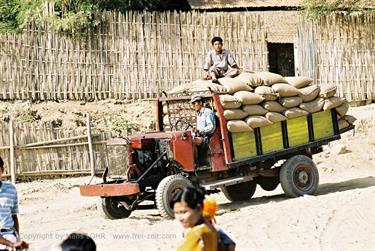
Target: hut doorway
x,y
281,58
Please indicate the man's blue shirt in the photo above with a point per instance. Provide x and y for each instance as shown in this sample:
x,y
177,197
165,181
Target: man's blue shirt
x,y
205,121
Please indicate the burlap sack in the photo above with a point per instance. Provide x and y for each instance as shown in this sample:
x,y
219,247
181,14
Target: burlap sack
x,y
250,79
266,92
254,109
273,106
234,114
234,85
327,91
275,117
229,102
351,119
198,86
238,126
166,120
299,82
165,109
248,98
257,121
343,124
332,102
290,102
270,78
342,109
295,113
286,90
309,93
313,106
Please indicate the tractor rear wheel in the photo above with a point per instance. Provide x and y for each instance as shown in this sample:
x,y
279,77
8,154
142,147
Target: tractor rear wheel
x,y
299,176
113,209
240,192
165,191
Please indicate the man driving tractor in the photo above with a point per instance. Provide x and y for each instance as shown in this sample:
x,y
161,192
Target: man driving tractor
x,y
205,125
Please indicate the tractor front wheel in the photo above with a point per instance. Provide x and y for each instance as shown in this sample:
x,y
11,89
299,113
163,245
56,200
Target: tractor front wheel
x,y
165,191
113,209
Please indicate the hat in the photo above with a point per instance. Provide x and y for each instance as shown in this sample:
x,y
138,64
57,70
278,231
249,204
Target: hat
x,y
195,98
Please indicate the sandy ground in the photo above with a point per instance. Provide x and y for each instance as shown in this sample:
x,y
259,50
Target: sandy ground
x,y
340,217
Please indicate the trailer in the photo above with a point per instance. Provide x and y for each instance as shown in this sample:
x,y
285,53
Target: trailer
x,y
162,162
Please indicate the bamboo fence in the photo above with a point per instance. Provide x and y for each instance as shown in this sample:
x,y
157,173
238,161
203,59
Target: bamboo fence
x,y
133,55
137,55
44,150
340,50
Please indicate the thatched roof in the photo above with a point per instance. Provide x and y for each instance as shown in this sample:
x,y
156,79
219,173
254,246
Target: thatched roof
x,y
231,4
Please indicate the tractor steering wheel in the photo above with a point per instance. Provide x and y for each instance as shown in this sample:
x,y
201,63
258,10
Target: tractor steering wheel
x,y
183,122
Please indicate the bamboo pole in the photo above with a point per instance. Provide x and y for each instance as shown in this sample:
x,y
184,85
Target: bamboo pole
x,y
55,141
89,140
57,172
65,145
11,153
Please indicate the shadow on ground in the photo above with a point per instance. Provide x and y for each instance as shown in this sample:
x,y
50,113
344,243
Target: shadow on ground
x,y
324,189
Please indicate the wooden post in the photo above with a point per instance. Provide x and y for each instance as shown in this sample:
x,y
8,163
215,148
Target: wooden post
x,y
91,150
11,153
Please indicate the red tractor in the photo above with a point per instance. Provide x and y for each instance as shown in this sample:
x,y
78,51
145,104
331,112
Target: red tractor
x,y
162,162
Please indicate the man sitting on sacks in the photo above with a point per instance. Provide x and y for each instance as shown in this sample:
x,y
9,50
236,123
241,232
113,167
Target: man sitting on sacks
x,y
219,62
205,126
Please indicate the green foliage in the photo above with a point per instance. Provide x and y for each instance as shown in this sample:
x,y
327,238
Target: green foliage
x,y
69,16
317,8
9,10
27,116
115,123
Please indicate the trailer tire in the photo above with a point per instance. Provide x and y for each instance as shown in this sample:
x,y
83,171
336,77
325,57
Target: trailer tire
x,y
267,183
299,176
113,209
240,192
165,190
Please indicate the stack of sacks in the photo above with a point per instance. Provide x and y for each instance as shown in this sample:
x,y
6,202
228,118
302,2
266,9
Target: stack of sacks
x,y
256,99
263,98
340,104
186,89
198,86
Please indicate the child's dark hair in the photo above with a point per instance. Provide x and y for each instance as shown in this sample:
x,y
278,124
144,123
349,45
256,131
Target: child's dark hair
x,y
78,242
216,39
192,196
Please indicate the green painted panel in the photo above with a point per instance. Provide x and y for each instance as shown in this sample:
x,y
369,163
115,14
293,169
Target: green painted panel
x,y
322,124
272,138
244,145
298,131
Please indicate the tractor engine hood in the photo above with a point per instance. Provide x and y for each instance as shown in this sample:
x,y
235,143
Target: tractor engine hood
x,y
147,140
181,145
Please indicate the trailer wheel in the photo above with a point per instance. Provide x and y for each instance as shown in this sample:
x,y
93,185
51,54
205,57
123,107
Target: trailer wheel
x,y
267,183
299,176
113,209
240,192
166,189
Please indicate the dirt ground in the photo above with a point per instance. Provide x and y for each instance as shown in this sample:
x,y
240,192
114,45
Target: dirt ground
x,y
340,217
106,115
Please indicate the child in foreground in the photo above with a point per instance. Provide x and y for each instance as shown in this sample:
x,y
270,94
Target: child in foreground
x,y
200,234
